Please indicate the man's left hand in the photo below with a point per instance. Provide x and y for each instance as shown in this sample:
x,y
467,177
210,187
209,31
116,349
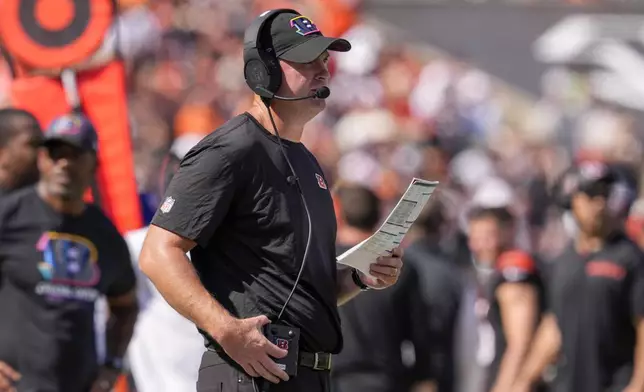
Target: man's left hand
x,y
386,270
106,379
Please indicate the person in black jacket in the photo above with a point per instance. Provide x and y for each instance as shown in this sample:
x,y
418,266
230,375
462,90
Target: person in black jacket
x,y
378,325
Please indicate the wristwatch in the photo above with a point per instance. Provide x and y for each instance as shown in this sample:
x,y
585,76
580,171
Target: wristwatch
x,y
356,279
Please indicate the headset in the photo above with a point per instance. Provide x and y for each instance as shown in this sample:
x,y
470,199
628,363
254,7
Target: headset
x,y
621,192
262,69
263,75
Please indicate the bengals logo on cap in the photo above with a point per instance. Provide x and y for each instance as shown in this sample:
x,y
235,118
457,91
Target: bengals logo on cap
x,y
53,33
304,25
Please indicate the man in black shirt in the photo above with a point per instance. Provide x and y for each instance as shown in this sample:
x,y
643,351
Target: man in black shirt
x,y
596,296
57,256
248,202
377,325
510,296
20,136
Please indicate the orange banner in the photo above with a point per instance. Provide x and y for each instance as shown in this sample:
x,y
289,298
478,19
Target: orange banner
x,y
103,95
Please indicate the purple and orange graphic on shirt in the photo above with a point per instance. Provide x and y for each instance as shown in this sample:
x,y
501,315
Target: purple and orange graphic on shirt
x,y
68,260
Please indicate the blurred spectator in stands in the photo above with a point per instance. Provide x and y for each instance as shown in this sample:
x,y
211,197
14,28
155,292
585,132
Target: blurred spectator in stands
x,y
441,290
20,137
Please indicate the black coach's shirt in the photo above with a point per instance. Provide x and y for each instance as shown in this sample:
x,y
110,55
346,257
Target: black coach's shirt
x,y
596,299
53,267
231,196
514,266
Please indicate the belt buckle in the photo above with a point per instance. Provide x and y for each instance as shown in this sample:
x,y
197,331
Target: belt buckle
x,y
318,366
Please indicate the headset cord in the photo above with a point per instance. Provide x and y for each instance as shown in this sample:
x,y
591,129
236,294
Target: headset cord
x,y
306,208
308,239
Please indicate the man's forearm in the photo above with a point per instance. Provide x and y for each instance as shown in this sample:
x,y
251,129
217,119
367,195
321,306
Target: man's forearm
x,y
509,369
544,350
347,288
120,328
176,279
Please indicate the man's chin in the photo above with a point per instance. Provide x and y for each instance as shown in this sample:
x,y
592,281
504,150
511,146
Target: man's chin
x,y
64,193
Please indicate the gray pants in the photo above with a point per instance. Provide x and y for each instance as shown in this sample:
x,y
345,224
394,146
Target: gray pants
x,y
215,375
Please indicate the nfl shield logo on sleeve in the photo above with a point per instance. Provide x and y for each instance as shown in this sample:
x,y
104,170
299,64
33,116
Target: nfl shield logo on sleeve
x,y
321,182
167,205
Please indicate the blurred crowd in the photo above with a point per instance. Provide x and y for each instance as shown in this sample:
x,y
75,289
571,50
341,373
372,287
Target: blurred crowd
x,y
397,110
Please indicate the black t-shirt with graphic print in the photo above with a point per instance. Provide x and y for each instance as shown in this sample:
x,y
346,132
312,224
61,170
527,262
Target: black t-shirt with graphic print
x,y
231,196
53,267
597,298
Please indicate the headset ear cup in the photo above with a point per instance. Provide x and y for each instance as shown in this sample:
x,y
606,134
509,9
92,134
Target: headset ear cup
x,y
263,77
274,70
256,73
262,70
620,199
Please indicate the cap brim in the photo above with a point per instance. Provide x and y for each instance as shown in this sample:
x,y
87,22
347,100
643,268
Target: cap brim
x,y
312,48
68,141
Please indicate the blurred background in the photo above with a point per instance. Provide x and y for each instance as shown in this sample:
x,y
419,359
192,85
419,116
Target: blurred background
x,y
493,98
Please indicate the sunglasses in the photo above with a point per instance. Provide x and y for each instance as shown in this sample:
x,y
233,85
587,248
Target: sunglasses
x,y
58,151
597,189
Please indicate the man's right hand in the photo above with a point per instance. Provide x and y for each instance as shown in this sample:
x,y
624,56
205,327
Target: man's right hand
x,y
8,377
244,342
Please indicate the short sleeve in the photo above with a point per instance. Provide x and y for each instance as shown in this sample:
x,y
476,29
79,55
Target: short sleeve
x,y
516,267
637,288
123,278
199,195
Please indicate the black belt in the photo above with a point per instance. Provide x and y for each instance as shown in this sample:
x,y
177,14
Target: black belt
x,y
315,361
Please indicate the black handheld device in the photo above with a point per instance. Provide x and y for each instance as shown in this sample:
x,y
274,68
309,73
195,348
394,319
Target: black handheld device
x,y
286,338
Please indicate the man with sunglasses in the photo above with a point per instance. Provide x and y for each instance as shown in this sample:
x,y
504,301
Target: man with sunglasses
x,y
595,328
58,255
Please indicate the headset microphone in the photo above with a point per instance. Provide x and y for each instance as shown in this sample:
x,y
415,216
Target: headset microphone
x,y
321,93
